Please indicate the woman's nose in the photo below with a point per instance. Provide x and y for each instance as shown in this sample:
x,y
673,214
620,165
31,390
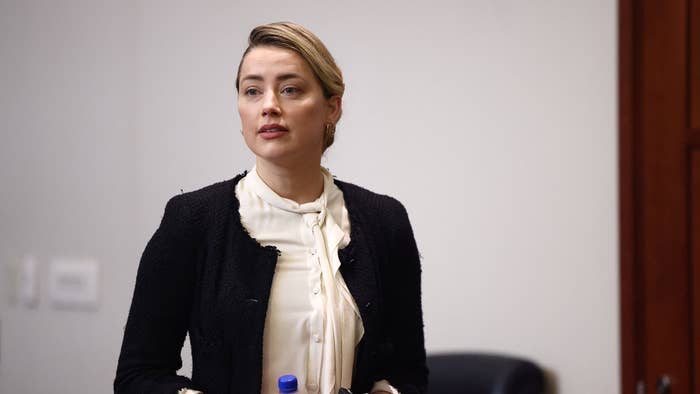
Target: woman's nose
x,y
271,105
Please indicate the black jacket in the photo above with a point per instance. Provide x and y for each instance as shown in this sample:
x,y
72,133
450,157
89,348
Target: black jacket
x,y
202,273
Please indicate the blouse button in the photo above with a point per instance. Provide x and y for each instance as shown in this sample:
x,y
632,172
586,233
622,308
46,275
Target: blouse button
x,y
317,338
316,290
312,251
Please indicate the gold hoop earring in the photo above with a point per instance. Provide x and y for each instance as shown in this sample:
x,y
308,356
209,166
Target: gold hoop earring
x,y
330,129
329,135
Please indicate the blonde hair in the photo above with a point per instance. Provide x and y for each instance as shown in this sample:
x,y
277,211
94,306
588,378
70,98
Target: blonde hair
x,y
292,36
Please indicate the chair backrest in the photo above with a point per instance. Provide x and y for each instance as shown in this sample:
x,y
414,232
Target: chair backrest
x,y
479,373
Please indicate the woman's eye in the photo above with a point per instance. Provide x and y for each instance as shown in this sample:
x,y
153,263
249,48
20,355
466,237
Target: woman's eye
x,y
290,90
251,92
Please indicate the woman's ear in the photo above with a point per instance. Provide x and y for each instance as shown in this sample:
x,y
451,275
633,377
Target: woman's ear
x,y
335,109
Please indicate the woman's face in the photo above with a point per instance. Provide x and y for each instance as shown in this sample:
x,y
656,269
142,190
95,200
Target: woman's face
x,y
282,107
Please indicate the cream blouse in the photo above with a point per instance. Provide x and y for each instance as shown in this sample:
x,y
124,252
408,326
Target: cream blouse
x,y
313,325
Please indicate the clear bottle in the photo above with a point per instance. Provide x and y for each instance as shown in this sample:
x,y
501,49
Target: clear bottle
x,y
287,384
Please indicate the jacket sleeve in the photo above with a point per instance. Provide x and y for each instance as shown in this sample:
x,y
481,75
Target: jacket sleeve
x,y
160,308
407,365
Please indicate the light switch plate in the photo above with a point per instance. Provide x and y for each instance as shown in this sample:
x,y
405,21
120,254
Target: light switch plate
x,y
74,284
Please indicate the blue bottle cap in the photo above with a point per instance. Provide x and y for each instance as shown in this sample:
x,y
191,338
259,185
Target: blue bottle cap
x,y
287,384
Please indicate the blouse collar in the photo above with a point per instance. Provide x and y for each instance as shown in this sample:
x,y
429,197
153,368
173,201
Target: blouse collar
x,y
271,197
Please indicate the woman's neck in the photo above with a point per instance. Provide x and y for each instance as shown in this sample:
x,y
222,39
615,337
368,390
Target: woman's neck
x,y
302,183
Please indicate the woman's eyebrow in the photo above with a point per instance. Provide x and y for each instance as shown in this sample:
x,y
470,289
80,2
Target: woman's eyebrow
x,y
282,77
254,77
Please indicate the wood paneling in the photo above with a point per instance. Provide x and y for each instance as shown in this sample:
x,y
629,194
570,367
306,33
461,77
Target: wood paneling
x,y
694,138
695,64
629,327
695,263
662,176
659,93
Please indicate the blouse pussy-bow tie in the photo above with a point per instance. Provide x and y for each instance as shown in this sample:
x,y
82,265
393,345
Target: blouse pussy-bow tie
x,y
328,238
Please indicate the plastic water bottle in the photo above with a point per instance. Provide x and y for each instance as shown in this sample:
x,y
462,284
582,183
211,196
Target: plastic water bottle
x,y
287,384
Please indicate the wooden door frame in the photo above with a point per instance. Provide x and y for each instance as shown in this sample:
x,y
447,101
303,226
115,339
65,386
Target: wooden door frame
x,y
626,142
633,83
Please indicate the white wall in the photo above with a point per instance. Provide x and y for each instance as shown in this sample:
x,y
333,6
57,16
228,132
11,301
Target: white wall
x,y
494,122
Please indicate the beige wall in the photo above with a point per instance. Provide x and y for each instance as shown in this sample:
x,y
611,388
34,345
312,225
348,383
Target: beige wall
x,y
493,121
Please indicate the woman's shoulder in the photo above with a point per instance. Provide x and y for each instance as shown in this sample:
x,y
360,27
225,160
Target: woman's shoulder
x,y
383,216
216,191
206,202
376,204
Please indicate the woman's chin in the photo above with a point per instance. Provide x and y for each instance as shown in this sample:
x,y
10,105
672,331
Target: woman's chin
x,y
285,157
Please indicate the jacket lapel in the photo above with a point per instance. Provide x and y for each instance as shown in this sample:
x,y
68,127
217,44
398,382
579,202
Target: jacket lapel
x,y
358,267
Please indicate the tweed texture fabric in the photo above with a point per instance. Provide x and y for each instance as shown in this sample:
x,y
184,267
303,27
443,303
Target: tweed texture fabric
x,y
202,274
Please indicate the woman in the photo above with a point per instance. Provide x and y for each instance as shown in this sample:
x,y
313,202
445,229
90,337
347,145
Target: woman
x,y
280,270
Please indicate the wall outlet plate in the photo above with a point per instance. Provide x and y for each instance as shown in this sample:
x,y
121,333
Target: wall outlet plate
x,y
74,284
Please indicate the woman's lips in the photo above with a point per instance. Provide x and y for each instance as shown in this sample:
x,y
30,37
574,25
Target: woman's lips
x,y
268,135
272,127
272,130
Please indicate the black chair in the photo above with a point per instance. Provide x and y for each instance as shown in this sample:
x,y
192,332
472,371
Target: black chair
x,y
480,373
